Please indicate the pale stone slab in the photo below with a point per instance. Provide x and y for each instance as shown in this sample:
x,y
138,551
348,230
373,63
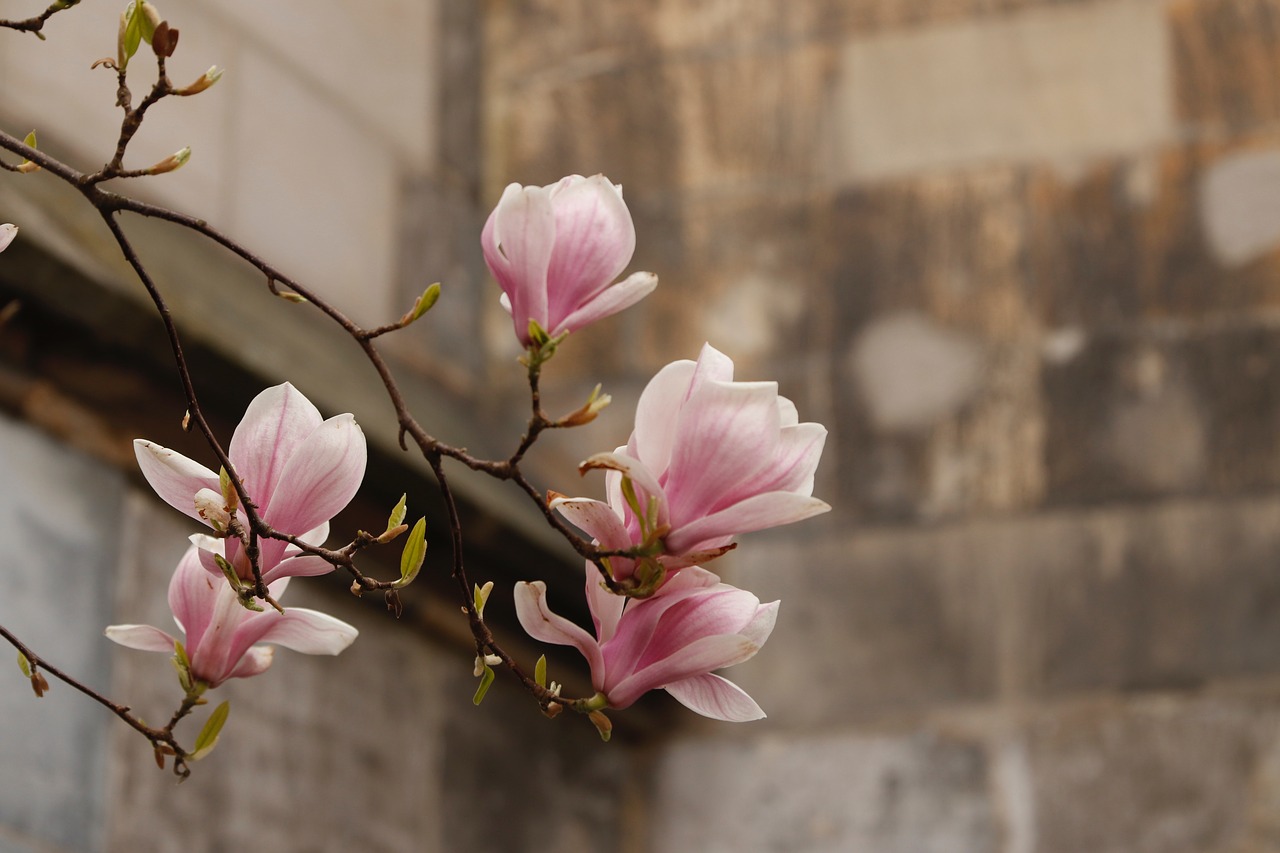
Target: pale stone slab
x,y
1081,81
376,60
314,191
919,793
59,516
1239,203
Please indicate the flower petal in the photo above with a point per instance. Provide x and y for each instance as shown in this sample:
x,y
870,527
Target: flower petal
x,y
727,432
715,697
193,593
299,566
698,658
175,478
755,513
320,479
254,662
594,241
596,518
540,623
655,433
517,241
7,232
272,430
144,637
309,632
608,302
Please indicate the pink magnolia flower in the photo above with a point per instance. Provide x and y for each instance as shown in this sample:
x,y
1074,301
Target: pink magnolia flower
x,y
672,640
556,251
7,233
221,635
299,469
709,458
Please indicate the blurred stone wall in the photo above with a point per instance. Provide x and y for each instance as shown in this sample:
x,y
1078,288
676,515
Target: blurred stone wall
x,y
1021,258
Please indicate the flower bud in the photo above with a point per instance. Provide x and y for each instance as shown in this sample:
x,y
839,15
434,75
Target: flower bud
x,y
176,160
213,75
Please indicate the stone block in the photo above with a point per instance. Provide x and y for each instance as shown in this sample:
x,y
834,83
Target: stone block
x,y
1144,415
376,63
1061,84
314,191
60,516
871,626
1159,775
923,793
1227,63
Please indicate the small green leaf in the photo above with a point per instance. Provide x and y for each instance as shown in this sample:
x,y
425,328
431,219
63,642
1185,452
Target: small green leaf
x,y
228,572
180,652
424,303
485,680
482,596
540,671
415,551
30,141
24,664
132,35
397,514
208,737
229,497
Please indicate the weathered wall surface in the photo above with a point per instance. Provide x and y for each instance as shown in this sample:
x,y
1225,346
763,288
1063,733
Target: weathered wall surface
x,y
1021,257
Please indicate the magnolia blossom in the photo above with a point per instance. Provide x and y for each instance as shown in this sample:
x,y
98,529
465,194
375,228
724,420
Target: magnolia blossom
x,y
672,640
7,233
556,251
299,469
709,458
220,634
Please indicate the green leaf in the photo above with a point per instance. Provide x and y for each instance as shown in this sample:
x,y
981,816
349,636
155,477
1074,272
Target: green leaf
x,y
415,551
148,17
24,664
485,680
229,497
132,35
208,737
397,514
540,671
424,303
30,141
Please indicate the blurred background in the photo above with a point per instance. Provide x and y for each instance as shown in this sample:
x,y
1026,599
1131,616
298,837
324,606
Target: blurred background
x,y
1022,257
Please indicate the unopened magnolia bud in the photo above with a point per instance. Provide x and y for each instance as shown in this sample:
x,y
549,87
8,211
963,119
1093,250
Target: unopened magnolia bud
x,y
174,161
602,723
213,75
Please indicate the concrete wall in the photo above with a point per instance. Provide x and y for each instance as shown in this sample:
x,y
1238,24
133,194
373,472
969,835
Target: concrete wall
x,y
1021,257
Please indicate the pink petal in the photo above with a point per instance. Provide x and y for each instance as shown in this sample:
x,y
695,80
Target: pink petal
x,y
713,366
517,241
722,610
540,623
606,608
646,484
714,697
309,632
609,301
175,478
761,626
254,662
193,593
7,232
794,463
594,240
144,637
756,513
300,566
596,519
727,432
697,659
640,621
321,478
273,428
655,432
